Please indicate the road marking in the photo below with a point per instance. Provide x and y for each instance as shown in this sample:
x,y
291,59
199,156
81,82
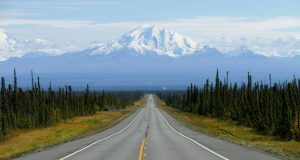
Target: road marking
x,y
101,139
192,139
141,150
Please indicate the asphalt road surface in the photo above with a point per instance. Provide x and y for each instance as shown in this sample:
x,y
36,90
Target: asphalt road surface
x,y
149,134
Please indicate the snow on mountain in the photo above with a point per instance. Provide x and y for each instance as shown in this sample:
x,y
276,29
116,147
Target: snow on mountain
x,y
264,46
12,47
240,51
41,46
8,46
145,39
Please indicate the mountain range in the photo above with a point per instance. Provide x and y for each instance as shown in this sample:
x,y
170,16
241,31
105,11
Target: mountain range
x,y
146,57
143,40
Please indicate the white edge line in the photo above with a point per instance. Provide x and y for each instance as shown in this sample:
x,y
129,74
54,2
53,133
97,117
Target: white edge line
x,y
101,139
192,139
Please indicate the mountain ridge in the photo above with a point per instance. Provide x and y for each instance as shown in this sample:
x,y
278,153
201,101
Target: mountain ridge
x,y
144,40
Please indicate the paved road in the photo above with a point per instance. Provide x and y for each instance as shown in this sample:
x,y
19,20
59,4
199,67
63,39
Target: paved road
x,y
164,137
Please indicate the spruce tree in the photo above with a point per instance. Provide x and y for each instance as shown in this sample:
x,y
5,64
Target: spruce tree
x,y
284,126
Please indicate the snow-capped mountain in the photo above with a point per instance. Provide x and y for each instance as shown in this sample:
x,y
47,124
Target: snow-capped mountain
x,y
148,39
242,51
12,47
8,46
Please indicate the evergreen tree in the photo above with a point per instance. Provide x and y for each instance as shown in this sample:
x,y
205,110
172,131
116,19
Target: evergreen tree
x,y
36,107
269,108
284,125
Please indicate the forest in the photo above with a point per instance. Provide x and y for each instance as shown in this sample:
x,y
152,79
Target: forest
x,y
270,108
37,107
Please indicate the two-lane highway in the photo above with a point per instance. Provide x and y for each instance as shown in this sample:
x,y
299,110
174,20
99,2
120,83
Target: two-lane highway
x,y
149,134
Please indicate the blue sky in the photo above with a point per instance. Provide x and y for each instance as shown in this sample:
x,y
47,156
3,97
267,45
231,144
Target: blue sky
x,y
212,22
150,10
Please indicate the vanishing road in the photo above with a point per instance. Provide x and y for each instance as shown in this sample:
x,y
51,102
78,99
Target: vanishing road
x,y
148,134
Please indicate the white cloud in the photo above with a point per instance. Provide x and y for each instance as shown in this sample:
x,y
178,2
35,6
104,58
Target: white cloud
x,y
236,26
200,25
16,13
60,5
71,4
51,23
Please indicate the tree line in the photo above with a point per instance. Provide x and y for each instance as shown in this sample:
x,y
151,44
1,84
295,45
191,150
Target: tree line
x,y
272,108
37,107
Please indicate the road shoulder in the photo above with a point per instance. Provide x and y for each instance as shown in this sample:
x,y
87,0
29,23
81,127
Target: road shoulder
x,y
30,142
212,139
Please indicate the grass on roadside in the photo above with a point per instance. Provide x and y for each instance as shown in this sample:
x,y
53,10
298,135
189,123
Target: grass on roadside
x,y
22,141
230,130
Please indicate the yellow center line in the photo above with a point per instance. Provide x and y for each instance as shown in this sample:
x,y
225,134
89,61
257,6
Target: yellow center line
x,y
141,150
